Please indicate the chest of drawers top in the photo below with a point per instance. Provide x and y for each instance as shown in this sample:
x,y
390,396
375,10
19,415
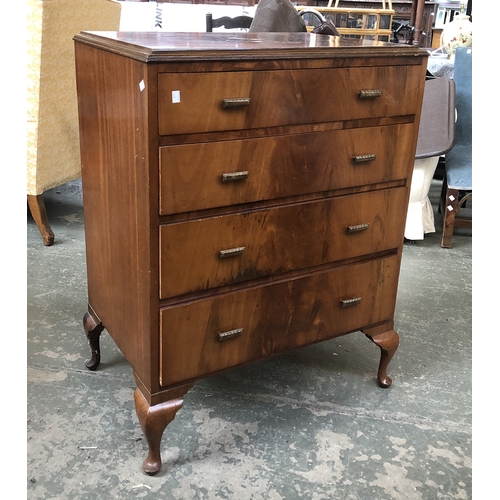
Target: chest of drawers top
x,y
185,46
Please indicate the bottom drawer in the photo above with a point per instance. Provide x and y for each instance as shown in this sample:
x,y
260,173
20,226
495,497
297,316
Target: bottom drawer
x,y
202,337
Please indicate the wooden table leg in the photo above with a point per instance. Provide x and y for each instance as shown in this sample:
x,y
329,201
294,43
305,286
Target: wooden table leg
x,y
419,16
154,420
388,341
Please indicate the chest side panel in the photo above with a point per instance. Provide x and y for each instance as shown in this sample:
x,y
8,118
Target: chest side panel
x,y
120,202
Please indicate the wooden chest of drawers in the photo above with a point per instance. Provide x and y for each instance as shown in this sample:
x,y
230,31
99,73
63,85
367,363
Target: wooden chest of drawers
x,y
244,195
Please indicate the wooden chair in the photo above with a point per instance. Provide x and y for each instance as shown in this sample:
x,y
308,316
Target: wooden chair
x,y
436,137
457,183
317,22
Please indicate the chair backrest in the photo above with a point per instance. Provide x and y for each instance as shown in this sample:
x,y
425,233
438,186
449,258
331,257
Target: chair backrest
x,y
436,134
277,16
462,76
228,22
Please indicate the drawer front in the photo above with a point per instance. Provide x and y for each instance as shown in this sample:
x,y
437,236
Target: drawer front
x,y
208,253
220,101
209,335
243,171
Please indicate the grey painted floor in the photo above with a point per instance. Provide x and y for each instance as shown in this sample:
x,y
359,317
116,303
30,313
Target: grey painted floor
x,y
312,424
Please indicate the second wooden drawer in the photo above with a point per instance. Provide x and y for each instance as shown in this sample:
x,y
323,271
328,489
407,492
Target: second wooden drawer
x,y
217,174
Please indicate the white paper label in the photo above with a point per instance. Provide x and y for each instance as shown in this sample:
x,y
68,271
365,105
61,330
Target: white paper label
x,y
176,96
142,85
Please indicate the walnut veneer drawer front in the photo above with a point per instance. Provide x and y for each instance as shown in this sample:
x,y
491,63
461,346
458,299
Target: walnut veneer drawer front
x,y
208,102
216,333
207,253
242,171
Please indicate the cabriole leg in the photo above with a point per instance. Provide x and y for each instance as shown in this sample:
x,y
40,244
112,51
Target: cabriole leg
x,y
93,332
154,420
388,341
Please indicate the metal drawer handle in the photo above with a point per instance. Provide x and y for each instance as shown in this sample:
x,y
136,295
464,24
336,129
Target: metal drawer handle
x,y
358,228
231,252
350,302
369,94
231,334
363,158
235,176
236,102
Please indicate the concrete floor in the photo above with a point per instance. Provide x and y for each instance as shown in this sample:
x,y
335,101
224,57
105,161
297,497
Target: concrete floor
x,y
312,424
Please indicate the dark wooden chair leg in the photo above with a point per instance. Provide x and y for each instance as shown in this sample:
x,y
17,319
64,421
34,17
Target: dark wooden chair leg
x,y
93,332
154,420
209,21
388,341
38,211
449,210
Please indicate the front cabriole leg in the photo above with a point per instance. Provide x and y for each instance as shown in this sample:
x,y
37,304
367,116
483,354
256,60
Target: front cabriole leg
x,y
388,341
154,419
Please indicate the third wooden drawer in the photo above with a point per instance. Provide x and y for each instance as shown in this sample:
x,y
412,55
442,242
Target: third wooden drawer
x,y
207,253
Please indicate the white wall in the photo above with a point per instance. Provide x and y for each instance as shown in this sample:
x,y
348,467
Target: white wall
x,y
142,16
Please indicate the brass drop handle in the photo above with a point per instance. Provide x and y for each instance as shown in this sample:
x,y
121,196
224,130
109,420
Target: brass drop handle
x,y
231,334
350,302
235,176
364,158
236,102
369,93
231,252
357,228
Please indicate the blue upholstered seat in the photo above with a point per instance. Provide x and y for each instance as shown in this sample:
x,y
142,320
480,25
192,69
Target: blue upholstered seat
x,y
459,159
457,184
458,167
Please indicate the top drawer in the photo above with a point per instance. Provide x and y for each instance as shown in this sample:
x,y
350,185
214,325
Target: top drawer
x,y
221,101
